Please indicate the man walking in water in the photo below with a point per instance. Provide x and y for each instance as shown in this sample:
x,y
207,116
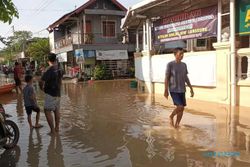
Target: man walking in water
x,y
176,77
51,85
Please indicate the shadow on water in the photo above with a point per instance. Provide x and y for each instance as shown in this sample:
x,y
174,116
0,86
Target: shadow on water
x,y
110,124
10,157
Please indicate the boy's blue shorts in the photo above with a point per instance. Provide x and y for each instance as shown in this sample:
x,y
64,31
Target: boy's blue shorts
x,y
29,109
179,99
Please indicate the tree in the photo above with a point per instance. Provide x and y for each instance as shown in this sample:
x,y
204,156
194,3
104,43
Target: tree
x,y
38,49
7,11
19,40
15,44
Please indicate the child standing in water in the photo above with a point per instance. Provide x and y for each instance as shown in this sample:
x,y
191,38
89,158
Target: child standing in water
x,y
30,102
176,77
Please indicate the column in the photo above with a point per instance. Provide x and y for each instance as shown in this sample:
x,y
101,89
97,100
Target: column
x,y
137,41
84,28
239,68
233,57
219,21
247,143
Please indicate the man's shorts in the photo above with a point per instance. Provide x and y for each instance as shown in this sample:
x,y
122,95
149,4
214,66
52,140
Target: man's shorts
x,y
29,109
17,81
51,103
179,99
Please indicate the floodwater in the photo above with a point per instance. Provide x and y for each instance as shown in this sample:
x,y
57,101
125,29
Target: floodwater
x,y
106,124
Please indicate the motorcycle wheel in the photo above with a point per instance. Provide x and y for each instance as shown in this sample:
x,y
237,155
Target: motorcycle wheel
x,y
13,136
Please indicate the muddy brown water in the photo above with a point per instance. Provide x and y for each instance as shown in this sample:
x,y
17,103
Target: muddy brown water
x,y
106,124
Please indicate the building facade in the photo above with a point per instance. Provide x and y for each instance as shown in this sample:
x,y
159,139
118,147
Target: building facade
x,y
217,54
91,35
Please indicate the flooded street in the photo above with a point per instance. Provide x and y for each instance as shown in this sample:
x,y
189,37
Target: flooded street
x,y
106,124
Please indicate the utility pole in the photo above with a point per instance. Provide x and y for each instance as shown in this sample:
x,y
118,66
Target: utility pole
x,y
13,29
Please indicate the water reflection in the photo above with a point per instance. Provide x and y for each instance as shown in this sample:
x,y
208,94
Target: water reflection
x,y
34,148
54,152
110,124
10,157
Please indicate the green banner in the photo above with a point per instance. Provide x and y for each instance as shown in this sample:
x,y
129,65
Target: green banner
x,y
243,17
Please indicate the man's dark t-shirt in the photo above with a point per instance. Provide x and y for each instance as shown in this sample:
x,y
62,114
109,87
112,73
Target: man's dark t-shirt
x,y
52,78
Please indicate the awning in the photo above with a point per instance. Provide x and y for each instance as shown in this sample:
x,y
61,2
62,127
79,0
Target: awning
x,y
155,9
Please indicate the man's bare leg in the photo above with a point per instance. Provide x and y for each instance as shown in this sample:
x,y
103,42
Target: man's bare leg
x,y
16,89
20,88
30,121
179,116
50,121
37,125
57,119
171,117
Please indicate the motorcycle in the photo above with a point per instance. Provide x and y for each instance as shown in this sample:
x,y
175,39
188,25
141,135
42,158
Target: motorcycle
x,y
9,131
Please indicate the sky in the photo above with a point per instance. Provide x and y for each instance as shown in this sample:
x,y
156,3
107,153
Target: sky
x,y
37,15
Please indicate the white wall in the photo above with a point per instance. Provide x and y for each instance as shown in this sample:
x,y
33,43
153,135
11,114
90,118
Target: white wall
x,y
201,68
52,41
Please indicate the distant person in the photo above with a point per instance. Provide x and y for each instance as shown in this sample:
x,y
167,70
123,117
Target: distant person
x,y
30,102
176,77
42,69
17,76
6,71
51,85
28,69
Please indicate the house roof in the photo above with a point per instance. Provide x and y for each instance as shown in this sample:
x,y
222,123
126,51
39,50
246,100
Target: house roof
x,y
79,10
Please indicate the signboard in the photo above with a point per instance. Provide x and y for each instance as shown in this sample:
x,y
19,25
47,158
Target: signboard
x,y
79,56
111,54
78,53
194,24
62,57
243,17
89,53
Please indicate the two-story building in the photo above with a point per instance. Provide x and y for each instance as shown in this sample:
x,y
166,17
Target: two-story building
x,y
91,35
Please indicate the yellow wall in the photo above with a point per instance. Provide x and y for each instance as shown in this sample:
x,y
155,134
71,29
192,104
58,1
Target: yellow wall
x,y
243,93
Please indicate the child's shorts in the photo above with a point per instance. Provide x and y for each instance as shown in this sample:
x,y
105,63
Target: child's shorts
x,y
179,99
29,109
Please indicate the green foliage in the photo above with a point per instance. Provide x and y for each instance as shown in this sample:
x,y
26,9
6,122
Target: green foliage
x,y
38,49
100,73
7,11
19,40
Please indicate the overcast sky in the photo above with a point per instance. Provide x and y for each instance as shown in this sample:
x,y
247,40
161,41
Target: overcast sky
x,y
37,15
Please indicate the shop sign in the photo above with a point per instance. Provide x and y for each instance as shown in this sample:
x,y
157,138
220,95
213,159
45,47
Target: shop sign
x,y
198,23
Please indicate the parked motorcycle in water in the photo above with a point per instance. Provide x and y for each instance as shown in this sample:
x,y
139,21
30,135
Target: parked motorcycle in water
x,y
9,131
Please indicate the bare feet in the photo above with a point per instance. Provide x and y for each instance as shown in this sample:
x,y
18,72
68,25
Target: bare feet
x,y
171,120
177,126
38,126
52,133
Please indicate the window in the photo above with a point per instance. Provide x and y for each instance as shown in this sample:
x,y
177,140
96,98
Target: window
x,y
201,43
108,28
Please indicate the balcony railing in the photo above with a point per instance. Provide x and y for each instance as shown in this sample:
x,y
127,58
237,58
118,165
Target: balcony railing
x,y
63,42
243,71
88,38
